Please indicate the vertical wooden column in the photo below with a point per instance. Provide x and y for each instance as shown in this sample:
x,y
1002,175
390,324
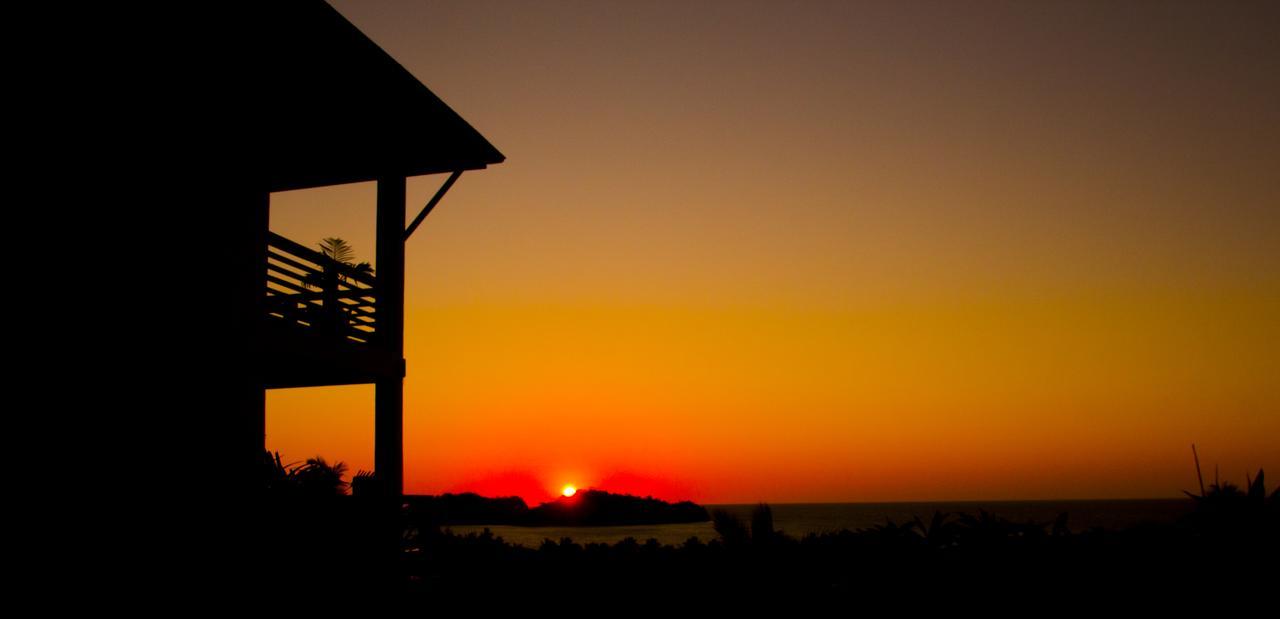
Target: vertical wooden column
x,y
248,406
388,430
257,396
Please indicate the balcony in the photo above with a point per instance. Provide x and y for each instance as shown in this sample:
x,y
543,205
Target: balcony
x,y
321,324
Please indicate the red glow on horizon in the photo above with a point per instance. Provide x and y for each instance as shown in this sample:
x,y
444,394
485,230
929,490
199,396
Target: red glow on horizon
x,y
532,488
521,484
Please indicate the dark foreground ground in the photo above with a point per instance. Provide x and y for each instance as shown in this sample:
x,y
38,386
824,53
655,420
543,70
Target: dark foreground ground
x,y
1226,548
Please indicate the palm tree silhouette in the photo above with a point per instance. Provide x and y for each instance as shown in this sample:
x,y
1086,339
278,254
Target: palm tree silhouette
x,y
319,478
341,252
315,477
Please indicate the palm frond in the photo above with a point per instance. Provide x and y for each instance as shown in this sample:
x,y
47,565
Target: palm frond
x,y
337,250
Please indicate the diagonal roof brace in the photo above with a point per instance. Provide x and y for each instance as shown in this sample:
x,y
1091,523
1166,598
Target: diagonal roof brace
x,y
417,221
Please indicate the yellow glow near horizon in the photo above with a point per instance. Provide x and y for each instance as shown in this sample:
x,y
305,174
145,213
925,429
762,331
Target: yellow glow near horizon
x,y
569,490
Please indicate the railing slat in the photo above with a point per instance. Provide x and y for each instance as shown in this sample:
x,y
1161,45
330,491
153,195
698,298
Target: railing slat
x,y
311,255
288,284
318,295
293,263
296,276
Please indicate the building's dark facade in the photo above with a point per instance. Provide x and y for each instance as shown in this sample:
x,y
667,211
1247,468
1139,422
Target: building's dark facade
x,y
298,97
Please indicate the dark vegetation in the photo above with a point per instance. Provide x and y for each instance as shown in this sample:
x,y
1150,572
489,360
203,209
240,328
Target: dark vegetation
x,y
1230,539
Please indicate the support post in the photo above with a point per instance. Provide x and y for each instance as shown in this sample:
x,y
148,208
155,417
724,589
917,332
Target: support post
x,y
388,440
248,391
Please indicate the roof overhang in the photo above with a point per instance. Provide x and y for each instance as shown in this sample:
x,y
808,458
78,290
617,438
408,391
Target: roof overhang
x,y
304,99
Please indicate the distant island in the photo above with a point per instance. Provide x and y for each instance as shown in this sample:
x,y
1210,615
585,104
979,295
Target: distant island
x,y
589,508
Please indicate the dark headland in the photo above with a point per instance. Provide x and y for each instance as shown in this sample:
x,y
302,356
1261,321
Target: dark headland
x,y
593,508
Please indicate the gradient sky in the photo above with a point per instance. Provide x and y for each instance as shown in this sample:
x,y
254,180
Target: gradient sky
x,y
842,251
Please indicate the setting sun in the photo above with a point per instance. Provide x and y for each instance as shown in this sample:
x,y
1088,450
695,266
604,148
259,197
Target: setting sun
x,y
569,490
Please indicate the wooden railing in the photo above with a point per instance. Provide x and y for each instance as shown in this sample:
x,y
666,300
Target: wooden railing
x,y
308,290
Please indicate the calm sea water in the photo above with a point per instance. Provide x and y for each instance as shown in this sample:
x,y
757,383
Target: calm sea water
x,y
799,519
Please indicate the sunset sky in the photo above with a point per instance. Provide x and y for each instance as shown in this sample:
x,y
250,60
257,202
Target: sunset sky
x,y
799,252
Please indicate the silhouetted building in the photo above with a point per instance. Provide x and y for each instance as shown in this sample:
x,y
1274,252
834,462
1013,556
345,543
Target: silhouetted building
x,y
301,98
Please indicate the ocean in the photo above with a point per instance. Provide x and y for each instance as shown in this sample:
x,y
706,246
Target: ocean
x,y
799,519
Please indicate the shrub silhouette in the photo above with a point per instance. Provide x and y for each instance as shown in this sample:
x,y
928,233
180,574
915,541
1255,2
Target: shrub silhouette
x,y
762,524
730,529
313,478
734,532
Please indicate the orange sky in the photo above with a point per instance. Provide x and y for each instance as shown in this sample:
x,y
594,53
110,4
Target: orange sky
x,y
754,251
